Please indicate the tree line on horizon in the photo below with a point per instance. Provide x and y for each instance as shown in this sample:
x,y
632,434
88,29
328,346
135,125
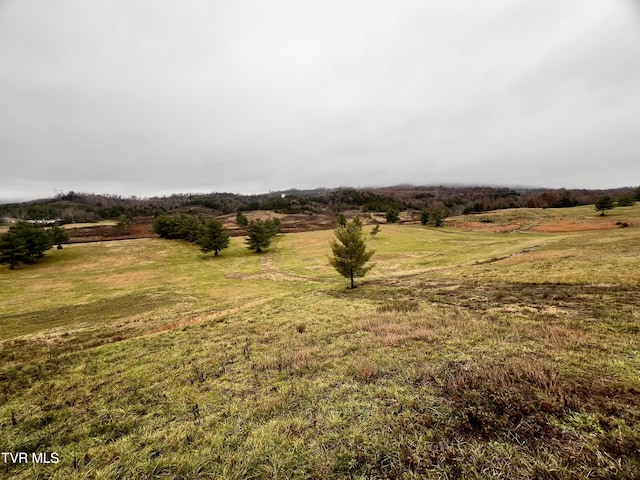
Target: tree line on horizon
x,y
75,207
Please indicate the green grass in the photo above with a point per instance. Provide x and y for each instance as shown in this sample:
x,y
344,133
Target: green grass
x,y
461,355
548,220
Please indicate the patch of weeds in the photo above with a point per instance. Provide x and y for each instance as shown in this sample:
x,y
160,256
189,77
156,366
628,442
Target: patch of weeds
x,y
528,403
493,400
296,361
365,370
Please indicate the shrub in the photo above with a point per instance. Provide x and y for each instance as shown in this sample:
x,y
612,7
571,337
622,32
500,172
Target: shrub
x,y
242,220
392,215
365,370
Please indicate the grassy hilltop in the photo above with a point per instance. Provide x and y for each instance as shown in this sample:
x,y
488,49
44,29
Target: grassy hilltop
x,y
505,345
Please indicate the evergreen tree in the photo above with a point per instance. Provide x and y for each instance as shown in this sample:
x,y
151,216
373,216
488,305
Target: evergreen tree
x,y
393,214
59,236
260,234
189,227
350,254
242,220
342,220
164,225
12,249
424,216
604,203
214,238
274,225
37,240
626,200
438,216
183,227
123,222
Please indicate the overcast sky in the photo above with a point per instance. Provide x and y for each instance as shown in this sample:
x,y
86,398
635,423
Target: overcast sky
x,y
151,97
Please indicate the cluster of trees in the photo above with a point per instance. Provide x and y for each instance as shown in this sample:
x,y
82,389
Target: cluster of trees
x,y
605,202
628,200
210,235
184,226
280,204
392,215
367,200
26,242
434,216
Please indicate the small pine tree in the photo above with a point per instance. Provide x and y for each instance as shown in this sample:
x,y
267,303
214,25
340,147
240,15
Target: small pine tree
x,y
604,203
342,220
58,236
393,214
424,216
189,227
438,216
375,230
214,238
165,226
260,234
123,222
274,225
242,220
350,254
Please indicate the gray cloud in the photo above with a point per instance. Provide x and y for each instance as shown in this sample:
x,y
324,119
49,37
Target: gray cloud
x,y
153,97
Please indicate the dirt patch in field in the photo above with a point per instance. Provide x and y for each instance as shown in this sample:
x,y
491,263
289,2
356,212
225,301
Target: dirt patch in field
x,y
141,228
291,223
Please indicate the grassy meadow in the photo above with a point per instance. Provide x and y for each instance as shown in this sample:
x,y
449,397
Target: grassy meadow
x,y
465,353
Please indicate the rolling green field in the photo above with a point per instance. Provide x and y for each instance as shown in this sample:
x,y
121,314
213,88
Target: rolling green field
x,y
463,354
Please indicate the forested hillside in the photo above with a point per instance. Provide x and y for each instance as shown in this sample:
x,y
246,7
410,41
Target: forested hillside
x,y
75,207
